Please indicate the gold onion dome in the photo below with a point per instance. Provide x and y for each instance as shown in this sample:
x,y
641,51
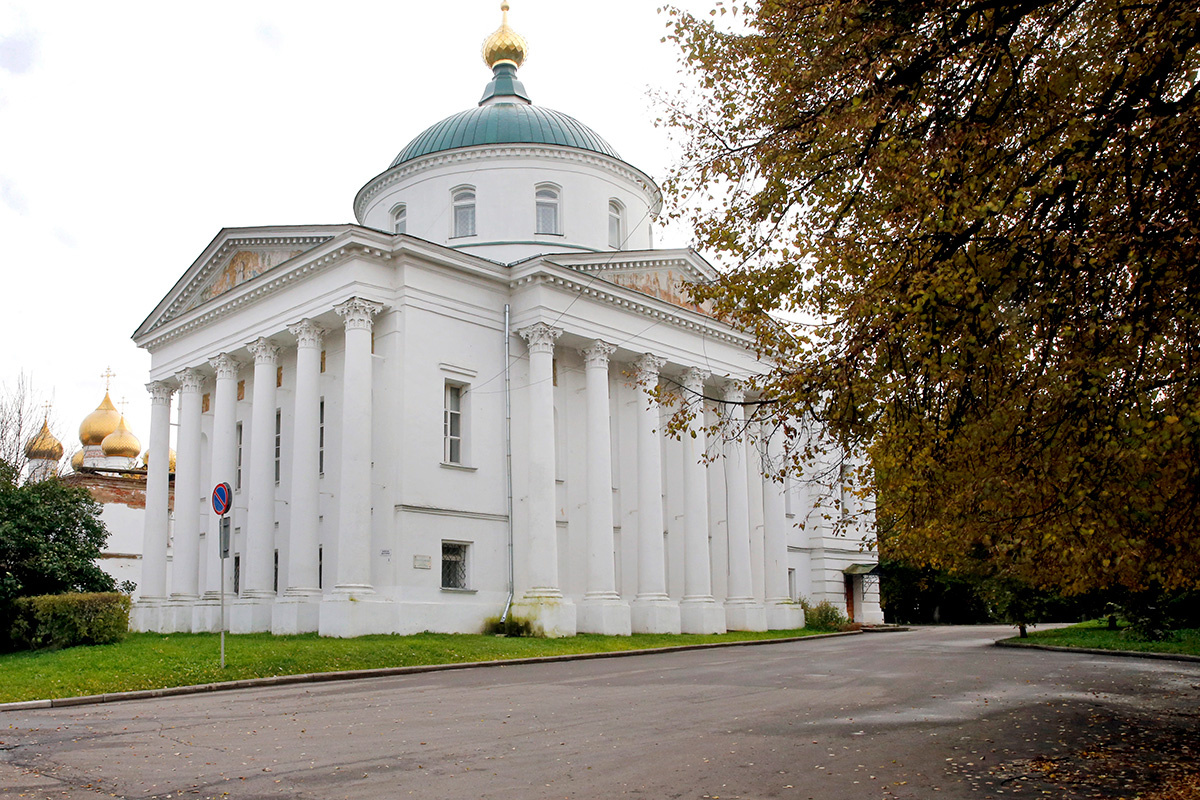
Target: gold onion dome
x,y
77,460
505,46
100,423
44,445
170,459
121,443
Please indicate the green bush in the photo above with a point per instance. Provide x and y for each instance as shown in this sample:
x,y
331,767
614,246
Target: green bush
x,y
824,616
54,621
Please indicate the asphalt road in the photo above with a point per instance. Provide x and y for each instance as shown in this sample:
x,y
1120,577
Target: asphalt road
x,y
935,712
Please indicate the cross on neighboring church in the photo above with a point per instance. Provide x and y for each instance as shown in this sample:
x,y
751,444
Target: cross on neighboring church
x,y
108,375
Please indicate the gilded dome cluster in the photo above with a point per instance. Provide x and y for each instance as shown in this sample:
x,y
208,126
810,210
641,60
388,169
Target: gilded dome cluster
x,y
44,446
100,423
505,46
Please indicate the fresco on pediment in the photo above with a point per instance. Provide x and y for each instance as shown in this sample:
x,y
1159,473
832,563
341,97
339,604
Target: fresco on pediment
x,y
244,265
665,284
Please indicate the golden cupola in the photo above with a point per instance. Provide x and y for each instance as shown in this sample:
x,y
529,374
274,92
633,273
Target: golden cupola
x,y
99,424
121,443
505,46
44,446
77,460
170,459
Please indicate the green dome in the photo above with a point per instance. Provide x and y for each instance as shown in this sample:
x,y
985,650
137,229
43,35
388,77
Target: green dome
x,y
505,123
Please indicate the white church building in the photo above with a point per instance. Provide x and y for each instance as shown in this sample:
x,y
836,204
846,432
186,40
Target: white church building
x,y
442,413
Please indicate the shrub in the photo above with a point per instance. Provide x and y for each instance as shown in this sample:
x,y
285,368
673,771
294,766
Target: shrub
x,y
513,626
55,621
824,616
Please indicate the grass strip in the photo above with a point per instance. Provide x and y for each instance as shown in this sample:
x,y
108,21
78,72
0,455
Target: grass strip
x,y
159,661
1095,634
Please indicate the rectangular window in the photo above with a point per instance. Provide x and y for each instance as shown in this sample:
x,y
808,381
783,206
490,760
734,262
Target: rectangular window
x,y
454,565
204,401
464,220
237,480
278,441
237,573
275,580
241,390
792,593
321,437
322,361
320,567
452,425
278,377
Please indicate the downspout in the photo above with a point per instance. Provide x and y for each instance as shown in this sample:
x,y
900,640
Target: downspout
x,y
508,458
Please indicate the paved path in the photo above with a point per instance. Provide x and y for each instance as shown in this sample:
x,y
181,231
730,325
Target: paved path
x,y
935,712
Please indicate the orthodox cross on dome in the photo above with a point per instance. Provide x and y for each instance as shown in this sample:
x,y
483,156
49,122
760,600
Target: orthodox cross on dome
x,y
123,402
108,375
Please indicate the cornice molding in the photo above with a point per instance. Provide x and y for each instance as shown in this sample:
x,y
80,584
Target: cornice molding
x,y
601,292
394,175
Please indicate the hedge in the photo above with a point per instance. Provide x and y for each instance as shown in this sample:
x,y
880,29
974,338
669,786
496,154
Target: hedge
x,y
54,621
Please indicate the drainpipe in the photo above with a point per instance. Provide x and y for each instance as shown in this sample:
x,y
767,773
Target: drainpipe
x,y
508,458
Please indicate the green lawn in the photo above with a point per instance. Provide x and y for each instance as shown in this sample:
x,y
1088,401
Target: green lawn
x,y
1096,634
155,661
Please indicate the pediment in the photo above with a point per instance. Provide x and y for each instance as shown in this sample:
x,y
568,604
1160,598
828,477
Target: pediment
x,y
236,257
665,274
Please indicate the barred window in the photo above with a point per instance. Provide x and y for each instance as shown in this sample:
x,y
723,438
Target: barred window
x,y
454,565
321,435
278,441
237,572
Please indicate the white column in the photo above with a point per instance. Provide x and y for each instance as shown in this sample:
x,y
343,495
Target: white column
x,y
742,612
353,608
185,567
252,612
148,614
782,613
653,610
297,612
601,610
542,602
699,612
223,467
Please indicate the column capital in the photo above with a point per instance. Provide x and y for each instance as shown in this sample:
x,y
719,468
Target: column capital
x,y
307,333
648,367
190,379
264,351
160,393
694,378
226,366
735,390
358,314
596,354
540,337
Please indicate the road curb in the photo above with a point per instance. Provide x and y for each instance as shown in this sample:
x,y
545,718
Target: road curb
x,y
1097,651
385,672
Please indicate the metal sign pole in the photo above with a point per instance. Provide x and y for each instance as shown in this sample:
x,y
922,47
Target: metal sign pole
x,y
222,498
222,610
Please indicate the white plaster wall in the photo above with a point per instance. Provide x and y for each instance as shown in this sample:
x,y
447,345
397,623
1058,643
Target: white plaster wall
x,y
505,206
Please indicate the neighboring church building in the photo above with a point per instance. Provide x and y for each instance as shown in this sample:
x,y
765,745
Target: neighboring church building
x,y
387,397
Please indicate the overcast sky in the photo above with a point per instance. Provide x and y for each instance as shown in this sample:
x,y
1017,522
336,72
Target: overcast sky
x,y
131,133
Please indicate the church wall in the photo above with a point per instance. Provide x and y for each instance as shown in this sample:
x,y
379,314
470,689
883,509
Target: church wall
x,y
505,204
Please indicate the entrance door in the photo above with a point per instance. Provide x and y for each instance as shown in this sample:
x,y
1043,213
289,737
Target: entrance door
x,y
849,582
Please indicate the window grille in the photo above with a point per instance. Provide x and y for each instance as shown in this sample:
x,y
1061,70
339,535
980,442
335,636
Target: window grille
x,y
237,574
278,441
321,438
454,565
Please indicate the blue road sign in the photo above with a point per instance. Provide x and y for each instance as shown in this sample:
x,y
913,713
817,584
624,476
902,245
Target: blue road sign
x,y
222,499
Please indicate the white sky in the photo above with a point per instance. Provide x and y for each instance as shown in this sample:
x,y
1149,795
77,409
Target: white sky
x,y
132,132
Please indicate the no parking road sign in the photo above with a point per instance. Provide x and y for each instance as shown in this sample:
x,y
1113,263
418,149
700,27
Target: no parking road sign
x,y
222,499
